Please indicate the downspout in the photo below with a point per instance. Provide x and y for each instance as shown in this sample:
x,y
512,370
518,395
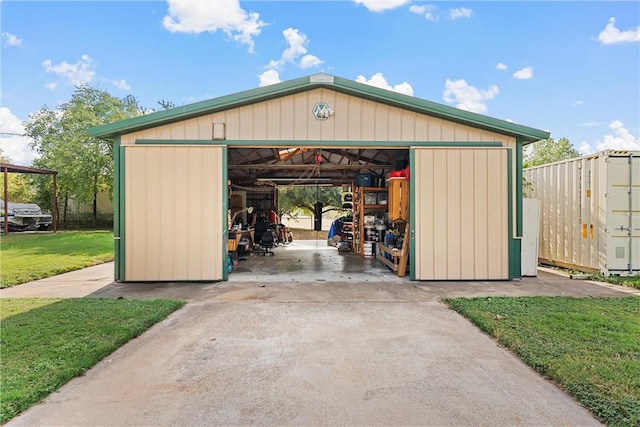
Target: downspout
x,y
630,266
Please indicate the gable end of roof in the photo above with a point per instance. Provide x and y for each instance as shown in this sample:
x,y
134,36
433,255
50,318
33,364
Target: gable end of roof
x,y
523,133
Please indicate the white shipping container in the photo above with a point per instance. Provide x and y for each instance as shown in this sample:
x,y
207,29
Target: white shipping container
x,y
589,212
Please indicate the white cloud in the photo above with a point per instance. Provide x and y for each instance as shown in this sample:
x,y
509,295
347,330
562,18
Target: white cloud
x,y
468,97
297,42
273,64
577,103
612,35
381,5
51,85
378,80
295,53
188,16
585,148
310,61
524,74
14,145
121,84
79,73
460,12
501,66
269,77
11,40
428,10
592,124
621,139
297,47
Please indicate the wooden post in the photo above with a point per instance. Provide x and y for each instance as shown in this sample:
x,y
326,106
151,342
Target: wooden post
x,y
54,203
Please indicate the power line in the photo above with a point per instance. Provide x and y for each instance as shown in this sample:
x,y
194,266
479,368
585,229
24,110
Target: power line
x,y
14,134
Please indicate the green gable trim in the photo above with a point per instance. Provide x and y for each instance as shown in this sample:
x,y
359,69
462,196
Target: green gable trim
x,y
412,216
185,112
180,142
117,235
513,242
119,206
225,208
302,84
442,111
519,207
314,143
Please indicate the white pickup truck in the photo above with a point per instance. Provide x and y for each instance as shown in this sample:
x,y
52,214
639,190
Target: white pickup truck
x,y
24,217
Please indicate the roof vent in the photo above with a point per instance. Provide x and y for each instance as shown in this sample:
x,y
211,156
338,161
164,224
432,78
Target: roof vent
x,y
321,78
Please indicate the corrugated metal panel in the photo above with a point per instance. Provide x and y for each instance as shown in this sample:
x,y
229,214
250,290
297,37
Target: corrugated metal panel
x,y
590,212
462,214
290,117
173,219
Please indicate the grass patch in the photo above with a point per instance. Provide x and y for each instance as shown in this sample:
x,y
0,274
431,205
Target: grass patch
x,y
631,281
46,342
27,257
589,347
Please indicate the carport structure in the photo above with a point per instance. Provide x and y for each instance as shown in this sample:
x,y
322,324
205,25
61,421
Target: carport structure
x,y
173,168
6,169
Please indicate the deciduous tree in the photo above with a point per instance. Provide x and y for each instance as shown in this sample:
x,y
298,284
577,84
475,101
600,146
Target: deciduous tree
x,y
84,164
19,189
292,199
548,151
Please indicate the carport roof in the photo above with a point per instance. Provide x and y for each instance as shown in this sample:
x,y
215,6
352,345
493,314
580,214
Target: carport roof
x,y
524,133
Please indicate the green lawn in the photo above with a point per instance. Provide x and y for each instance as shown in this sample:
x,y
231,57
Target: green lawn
x,y
590,347
47,342
631,281
26,257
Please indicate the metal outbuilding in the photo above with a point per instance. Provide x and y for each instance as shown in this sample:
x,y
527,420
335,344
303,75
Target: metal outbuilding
x,y
590,212
172,169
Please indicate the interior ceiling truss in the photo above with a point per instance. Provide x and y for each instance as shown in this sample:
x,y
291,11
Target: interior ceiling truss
x,y
247,166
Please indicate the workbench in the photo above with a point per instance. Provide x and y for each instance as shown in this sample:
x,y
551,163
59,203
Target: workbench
x,y
233,244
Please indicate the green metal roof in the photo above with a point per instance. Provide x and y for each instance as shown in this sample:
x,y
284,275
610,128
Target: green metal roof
x,y
524,133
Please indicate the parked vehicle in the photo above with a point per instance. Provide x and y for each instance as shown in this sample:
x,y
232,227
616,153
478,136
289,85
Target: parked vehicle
x,y
24,217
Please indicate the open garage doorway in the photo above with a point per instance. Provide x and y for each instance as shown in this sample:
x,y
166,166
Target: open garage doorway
x,y
260,183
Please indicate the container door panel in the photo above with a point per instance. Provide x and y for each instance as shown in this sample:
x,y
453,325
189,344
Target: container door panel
x,y
461,213
173,215
623,211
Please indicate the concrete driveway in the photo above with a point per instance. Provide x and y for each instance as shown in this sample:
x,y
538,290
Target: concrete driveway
x,y
316,353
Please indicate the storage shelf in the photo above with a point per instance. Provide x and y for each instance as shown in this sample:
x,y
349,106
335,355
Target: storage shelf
x,y
361,210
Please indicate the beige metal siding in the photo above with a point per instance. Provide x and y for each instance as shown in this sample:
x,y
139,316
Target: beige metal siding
x,y
173,215
290,118
585,211
461,214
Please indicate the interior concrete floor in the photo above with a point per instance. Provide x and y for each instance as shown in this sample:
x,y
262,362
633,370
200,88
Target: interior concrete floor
x,y
308,261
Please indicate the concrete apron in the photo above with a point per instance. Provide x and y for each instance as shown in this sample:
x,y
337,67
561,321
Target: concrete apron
x,y
310,363
299,349
305,351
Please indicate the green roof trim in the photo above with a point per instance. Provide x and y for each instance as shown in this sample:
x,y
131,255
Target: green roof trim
x,y
524,133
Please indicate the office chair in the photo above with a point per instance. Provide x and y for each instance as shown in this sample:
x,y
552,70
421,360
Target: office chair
x,y
264,237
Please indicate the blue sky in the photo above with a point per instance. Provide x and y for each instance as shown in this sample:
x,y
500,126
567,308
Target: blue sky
x,y
572,68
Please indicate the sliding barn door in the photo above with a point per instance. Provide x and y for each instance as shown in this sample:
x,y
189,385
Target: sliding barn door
x,y
461,213
173,213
